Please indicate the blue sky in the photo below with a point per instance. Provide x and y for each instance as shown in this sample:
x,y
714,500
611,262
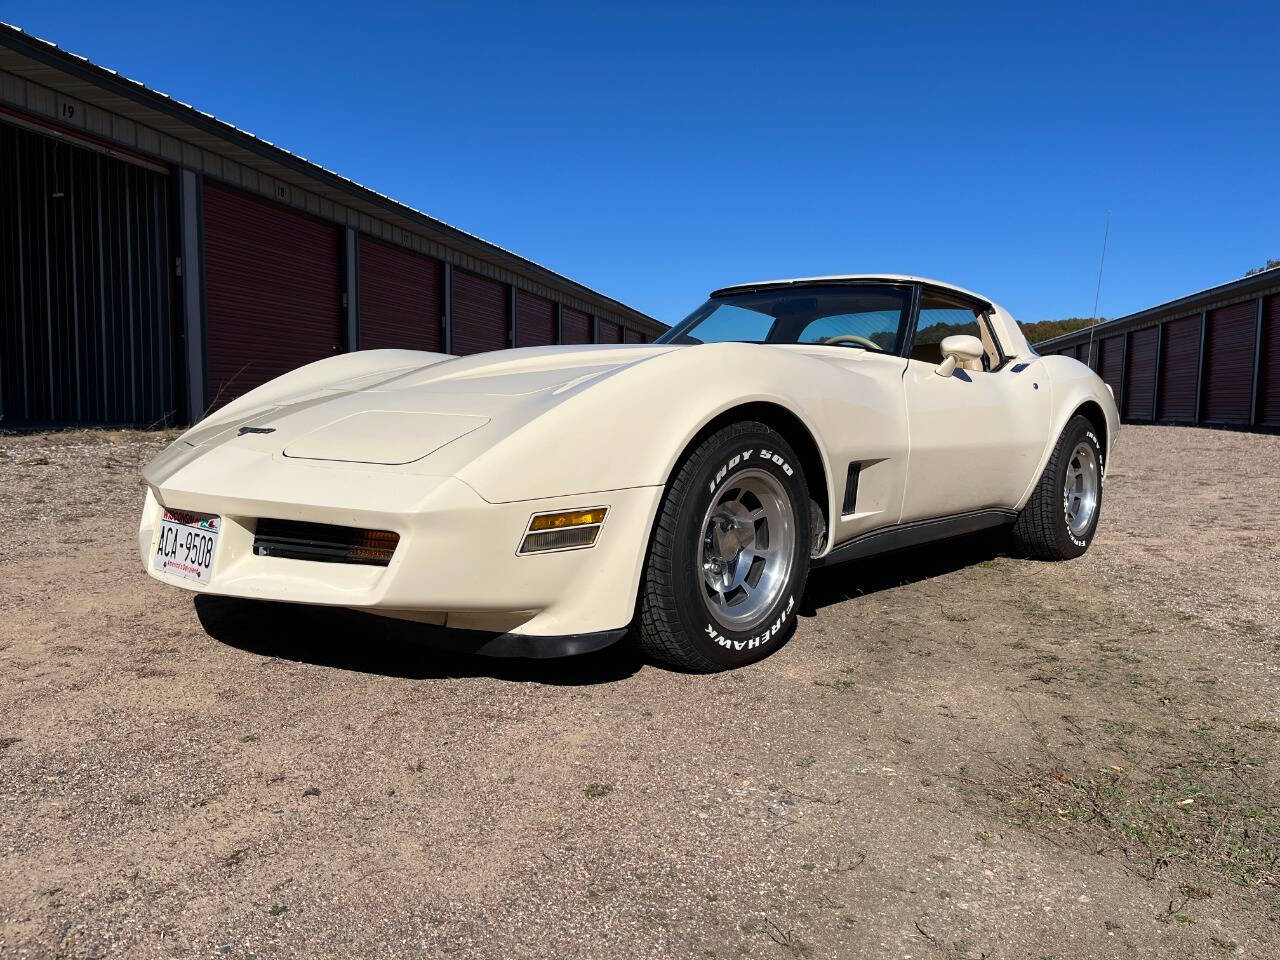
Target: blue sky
x,y
656,152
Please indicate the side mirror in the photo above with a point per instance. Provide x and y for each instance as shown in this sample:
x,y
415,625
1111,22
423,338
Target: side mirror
x,y
956,348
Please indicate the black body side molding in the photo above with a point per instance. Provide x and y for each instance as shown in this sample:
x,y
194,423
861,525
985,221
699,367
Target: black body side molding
x,y
903,535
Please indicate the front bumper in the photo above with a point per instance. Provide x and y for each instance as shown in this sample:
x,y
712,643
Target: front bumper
x,y
455,564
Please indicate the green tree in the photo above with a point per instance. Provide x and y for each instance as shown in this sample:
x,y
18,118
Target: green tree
x,y
1044,330
1271,265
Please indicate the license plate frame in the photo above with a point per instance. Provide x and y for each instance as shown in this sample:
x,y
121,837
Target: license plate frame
x,y
187,544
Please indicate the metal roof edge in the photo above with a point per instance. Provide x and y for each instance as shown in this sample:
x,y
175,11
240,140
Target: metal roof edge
x,y
51,55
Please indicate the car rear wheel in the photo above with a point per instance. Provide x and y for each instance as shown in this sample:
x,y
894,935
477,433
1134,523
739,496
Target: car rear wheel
x,y
729,554
1060,519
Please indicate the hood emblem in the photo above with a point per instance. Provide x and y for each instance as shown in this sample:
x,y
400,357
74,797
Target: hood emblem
x,y
243,430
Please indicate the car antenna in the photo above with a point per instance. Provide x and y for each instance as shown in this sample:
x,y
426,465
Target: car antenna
x,y
1097,294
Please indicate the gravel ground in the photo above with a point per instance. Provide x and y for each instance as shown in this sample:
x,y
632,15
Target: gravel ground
x,y
959,754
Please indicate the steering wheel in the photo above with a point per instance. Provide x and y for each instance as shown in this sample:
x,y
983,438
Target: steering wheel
x,y
840,338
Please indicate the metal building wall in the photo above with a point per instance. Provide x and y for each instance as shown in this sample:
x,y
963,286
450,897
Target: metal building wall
x,y
1179,360
480,314
1140,374
273,295
577,326
535,320
1227,382
400,297
85,287
1268,414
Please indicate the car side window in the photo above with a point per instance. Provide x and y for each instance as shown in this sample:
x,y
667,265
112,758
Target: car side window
x,y
941,318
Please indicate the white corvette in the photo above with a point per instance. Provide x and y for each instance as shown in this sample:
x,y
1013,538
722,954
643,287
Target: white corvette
x,y
545,501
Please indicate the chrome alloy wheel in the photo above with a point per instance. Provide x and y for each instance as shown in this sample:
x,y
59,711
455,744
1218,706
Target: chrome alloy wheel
x,y
1080,492
747,548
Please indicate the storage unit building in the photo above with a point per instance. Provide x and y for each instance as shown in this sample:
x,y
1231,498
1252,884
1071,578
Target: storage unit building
x,y
156,263
1211,358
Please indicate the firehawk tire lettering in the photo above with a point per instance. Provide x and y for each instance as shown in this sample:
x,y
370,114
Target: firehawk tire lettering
x,y
757,641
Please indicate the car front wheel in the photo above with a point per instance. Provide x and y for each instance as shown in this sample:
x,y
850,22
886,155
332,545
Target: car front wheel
x,y
1060,519
729,554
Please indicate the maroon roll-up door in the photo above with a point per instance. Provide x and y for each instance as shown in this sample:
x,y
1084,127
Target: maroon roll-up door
x,y
480,317
535,320
609,332
1140,379
272,291
1228,363
1110,362
1269,388
399,297
631,336
1179,358
577,326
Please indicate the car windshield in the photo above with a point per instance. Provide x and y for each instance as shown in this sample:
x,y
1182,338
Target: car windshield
x,y
867,316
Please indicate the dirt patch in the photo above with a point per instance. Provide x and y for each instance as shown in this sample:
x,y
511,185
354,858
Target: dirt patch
x,y
960,753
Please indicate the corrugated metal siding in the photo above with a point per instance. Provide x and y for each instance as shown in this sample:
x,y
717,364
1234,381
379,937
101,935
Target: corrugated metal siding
x,y
1110,362
272,291
1269,375
1140,378
399,297
609,332
535,320
1228,363
1178,362
632,336
85,287
577,326
480,317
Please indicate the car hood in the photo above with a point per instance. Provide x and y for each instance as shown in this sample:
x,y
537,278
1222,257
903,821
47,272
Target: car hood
x,y
403,416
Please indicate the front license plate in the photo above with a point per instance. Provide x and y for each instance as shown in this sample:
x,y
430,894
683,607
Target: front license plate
x,y
186,544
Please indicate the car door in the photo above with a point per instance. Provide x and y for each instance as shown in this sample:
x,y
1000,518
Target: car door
x,y
860,329
976,435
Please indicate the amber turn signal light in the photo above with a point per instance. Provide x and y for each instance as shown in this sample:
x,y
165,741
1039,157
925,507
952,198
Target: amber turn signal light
x,y
570,518
566,530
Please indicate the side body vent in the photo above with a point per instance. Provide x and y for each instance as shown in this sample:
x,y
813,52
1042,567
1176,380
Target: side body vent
x,y
850,504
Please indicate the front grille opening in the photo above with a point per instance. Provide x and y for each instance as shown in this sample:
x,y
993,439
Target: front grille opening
x,y
323,542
